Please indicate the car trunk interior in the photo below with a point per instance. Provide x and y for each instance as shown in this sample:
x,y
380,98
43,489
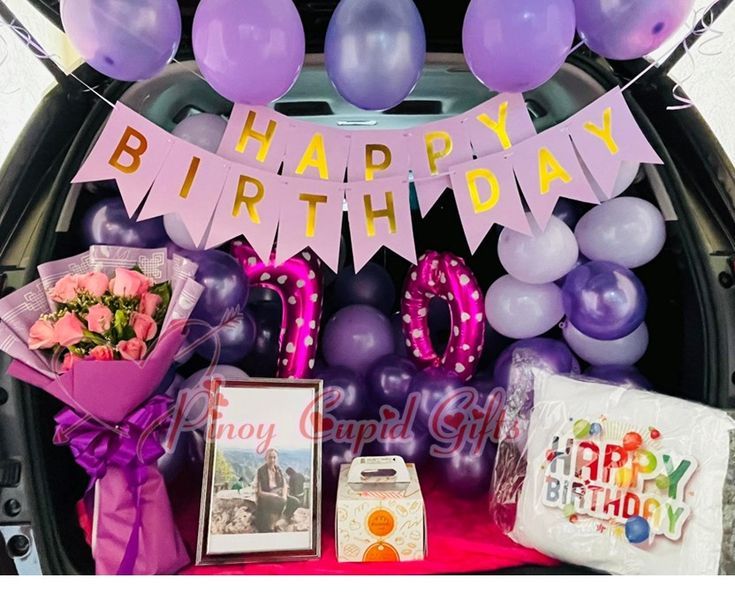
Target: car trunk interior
x,y
676,362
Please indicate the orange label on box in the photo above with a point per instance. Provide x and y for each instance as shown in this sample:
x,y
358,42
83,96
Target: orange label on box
x,y
381,522
381,552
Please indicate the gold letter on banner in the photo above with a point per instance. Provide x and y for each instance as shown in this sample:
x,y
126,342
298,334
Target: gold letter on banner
x,y
371,214
433,154
249,200
133,152
190,175
315,156
550,170
314,200
479,205
265,139
498,127
370,165
604,132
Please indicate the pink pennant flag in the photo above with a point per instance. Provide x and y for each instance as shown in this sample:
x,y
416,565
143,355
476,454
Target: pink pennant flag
x,y
486,193
498,124
316,152
188,185
379,213
131,150
378,155
311,216
249,205
255,136
433,150
547,168
606,134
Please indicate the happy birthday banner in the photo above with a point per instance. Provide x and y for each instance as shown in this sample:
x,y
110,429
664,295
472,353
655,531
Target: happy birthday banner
x,y
278,178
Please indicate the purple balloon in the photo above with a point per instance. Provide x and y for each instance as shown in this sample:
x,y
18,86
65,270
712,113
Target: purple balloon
x,y
354,403
356,337
516,46
415,450
197,388
520,310
124,40
225,285
399,340
624,351
262,359
468,474
604,300
542,257
569,211
580,261
188,453
432,386
372,285
236,339
389,380
375,51
204,130
551,355
250,52
179,233
621,375
107,222
628,29
334,456
628,231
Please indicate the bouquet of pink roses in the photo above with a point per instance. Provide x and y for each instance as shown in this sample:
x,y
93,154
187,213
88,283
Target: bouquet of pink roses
x,y
99,331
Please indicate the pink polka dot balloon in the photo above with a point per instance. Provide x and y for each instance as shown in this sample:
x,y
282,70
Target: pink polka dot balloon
x,y
299,284
445,276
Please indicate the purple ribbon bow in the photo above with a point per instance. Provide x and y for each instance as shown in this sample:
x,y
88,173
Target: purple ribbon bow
x,y
132,445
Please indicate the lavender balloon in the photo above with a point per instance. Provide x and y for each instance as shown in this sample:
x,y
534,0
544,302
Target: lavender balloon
x,y
542,257
520,310
124,40
628,29
351,388
516,46
626,177
375,51
623,351
621,375
178,232
356,337
250,52
204,130
107,222
604,300
627,230
548,354
389,380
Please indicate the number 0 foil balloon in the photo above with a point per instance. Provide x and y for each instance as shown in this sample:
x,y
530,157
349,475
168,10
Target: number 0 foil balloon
x,y
298,283
445,276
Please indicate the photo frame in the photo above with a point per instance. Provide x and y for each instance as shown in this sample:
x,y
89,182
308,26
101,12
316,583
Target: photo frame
x,y
261,488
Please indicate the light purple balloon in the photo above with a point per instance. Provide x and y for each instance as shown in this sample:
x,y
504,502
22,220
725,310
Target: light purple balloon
x,y
178,232
628,29
250,51
624,351
542,257
626,230
626,177
124,40
375,51
204,130
520,310
517,46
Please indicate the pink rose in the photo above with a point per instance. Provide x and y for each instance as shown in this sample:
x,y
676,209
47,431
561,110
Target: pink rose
x,y
129,283
41,335
69,360
65,289
149,303
132,350
95,283
144,326
69,330
102,353
99,319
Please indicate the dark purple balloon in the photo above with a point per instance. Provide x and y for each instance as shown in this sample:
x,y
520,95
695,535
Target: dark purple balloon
x,y
389,380
356,337
263,357
372,285
467,474
334,455
236,338
552,355
415,450
107,222
432,386
604,300
187,454
621,375
225,285
399,340
569,212
351,386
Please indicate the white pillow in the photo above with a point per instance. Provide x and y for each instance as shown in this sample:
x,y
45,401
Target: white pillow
x,y
692,533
